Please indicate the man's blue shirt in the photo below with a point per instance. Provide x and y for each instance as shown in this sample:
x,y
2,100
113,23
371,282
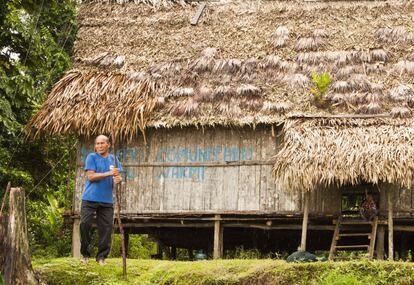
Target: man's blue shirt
x,y
99,191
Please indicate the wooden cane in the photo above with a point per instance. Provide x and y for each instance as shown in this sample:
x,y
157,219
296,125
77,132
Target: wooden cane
x,y
118,217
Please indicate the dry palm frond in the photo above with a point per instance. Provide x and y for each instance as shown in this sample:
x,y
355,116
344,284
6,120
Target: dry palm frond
x,y
379,55
411,57
402,93
371,108
401,112
182,91
373,97
270,62
365,56
389,35
297,80
360,82
163,69
205,62
375,68
280,37
159,101
248,90
137,76
204,94
189,107
309,44
337,98
279,107
249,66
320,33
223,92
346,71
404,66
376,87
231,66
251,104
341,86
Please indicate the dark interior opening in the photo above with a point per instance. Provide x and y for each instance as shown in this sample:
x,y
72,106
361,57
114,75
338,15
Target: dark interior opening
x,y
354,195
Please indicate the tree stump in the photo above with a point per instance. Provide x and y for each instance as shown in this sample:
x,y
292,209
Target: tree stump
x,y
3,233
18,265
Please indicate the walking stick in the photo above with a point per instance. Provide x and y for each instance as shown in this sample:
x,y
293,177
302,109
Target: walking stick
x,y
118,217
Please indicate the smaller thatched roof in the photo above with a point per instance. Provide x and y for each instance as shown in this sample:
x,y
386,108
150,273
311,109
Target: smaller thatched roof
x,y
326,151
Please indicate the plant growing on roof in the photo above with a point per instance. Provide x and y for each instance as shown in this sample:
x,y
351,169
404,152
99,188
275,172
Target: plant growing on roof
x,y
321,85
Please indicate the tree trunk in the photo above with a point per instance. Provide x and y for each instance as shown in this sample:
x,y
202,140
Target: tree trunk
x,y
3,234
18,266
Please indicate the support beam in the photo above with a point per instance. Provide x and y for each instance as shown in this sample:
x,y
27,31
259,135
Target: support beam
x,y
305,222
76,238
380,242
390,224
218,238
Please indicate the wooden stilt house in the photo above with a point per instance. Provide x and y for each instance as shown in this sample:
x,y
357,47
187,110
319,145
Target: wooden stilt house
x,y
225,130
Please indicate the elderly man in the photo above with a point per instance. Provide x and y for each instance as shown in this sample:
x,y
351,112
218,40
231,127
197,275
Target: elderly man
x,y
101,173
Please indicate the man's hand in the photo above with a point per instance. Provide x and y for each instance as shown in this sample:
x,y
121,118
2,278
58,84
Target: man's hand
x,y
117,179
113,172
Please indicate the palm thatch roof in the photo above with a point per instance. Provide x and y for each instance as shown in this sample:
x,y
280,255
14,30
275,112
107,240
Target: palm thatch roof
x,y
340,151
141,64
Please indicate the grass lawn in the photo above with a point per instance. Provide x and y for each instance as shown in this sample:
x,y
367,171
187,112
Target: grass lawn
x,y
265,271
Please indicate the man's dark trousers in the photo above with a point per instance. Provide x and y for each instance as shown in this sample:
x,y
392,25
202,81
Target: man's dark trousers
x,y
104,220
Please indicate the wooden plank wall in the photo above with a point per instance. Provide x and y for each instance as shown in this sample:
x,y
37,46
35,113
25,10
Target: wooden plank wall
x,y
173,173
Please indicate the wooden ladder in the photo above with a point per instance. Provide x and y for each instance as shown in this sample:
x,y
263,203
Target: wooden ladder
x,y
345,229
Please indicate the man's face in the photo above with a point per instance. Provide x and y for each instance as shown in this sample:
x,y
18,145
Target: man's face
x,y
101,145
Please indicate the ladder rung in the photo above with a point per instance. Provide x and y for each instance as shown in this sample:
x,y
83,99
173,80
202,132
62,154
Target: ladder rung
x,y
355,223
352,246
355,235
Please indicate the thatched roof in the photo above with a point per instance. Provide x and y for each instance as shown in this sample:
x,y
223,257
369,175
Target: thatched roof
x,y
244,63
340,151
141,64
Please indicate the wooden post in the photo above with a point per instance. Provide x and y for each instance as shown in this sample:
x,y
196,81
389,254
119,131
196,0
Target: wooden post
x,y
305,222
380,242
173,253
190,254
76,238
126,242
118,217
390,224
18,265
218,238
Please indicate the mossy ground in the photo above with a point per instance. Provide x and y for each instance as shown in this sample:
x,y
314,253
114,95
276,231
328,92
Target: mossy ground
x,y
72,271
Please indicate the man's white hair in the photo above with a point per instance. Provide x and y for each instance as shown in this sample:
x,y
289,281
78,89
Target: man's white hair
x,y
103,137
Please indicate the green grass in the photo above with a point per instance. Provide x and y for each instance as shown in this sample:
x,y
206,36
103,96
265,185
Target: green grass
x,y
72,271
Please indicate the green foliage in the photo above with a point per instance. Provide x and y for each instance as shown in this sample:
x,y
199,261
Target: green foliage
x,y
36,38
140,246
223,272
321,85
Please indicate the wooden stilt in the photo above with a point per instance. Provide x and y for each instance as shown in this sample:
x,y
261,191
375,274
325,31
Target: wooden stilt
x,y
173,253
305,222
390,224
76,238
380,242
218,238
190,254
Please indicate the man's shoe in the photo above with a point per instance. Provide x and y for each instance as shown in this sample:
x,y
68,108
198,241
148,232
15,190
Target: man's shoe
x,y
85,260
101,262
